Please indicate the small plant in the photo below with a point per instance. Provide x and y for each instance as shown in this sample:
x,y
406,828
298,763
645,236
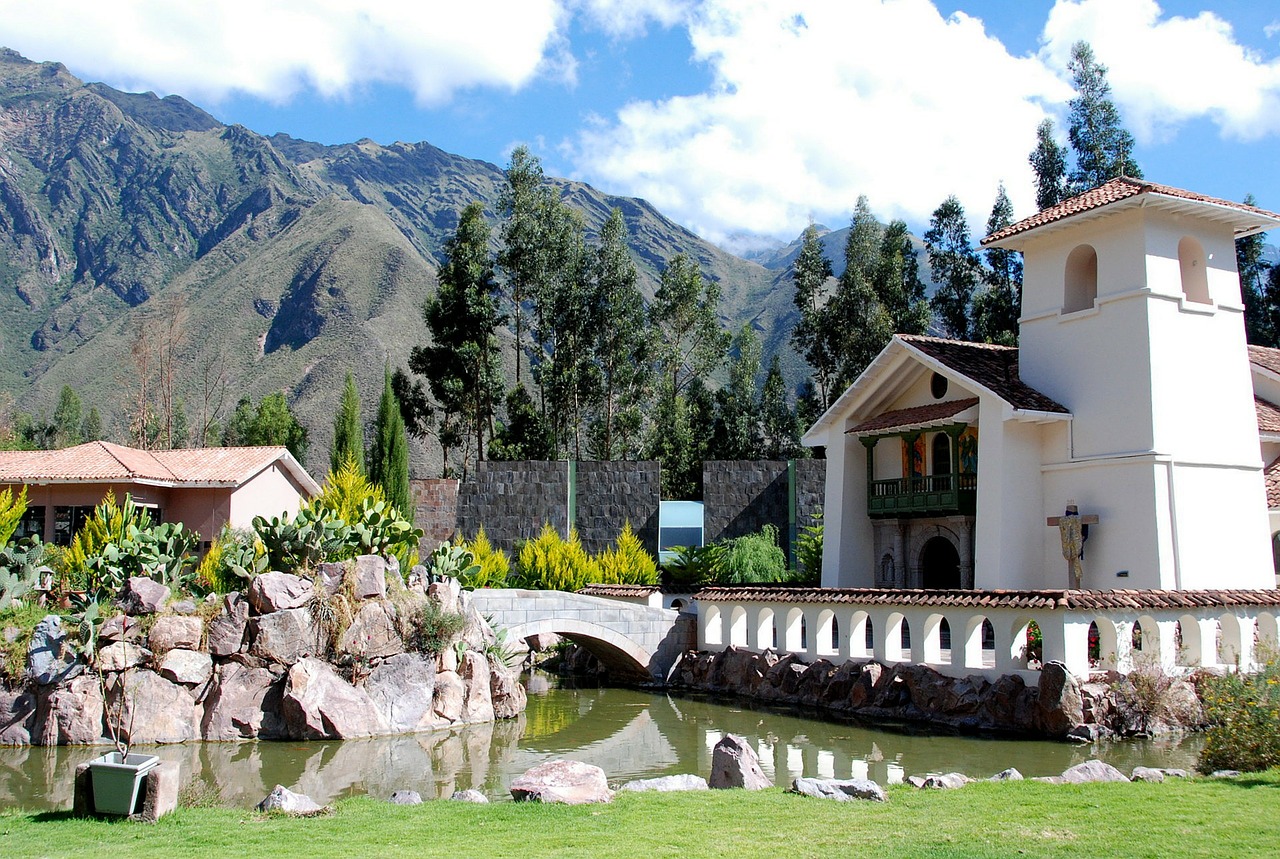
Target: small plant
x,y
1143,696
120,541
20,570
313,535
694,565
628,562
754,558
1243,710
493,565
550,562
332,614
451,561
430,629
377,527
809,549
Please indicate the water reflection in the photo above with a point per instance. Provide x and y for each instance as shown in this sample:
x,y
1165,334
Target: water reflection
x,y
629,734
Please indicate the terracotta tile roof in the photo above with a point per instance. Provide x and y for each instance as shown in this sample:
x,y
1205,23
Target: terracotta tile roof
x,y
1066,600
633,591
993,367
1271,474
915,416
102,461
1265,357
1268,415
1118,189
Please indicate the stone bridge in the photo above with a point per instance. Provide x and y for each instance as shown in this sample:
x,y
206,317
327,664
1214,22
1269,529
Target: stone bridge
x,y
638,641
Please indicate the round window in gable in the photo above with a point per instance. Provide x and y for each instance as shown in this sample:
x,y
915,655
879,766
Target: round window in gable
x,y
938,386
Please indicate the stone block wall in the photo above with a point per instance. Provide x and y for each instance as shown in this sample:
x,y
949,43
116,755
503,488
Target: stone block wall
x,y
611,493
512,500
435,510
742,496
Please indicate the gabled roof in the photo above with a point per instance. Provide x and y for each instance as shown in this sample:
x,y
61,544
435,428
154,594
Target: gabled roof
x,y
916,416
104,462
983,367
1124,192
1265,357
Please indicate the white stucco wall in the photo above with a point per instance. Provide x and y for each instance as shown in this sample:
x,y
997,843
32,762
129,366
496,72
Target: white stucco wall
x,y
1009,515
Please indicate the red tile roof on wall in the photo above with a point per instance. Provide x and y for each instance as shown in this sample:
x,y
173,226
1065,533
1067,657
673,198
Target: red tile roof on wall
x,y
102,461
915,415
1265,357
1064,600
1117,189
1268,415
993,367
1271,474
623,591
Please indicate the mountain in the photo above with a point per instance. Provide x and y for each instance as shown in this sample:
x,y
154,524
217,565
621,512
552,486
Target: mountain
x,y
138,231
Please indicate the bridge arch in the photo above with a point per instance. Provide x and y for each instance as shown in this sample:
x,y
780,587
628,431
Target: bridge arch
x,y
614,650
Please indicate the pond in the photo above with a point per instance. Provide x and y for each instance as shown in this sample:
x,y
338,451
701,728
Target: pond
x,y
628,733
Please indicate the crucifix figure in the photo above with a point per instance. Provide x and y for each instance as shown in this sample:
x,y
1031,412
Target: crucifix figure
x,y
1073,529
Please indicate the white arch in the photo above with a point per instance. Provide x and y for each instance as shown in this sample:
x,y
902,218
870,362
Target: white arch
x,y
738,626
612,648
766,630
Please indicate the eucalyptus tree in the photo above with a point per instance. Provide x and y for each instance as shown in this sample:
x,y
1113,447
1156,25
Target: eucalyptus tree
x,y
857,315
684,312
1103,148
1049,162
814,337
997,303
956,267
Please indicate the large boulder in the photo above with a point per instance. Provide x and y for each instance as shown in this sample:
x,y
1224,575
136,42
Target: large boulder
x,y
1059,705
1091,771
477,705
373,633
73,715
319,705
842,790
227,629
284,801
188,667
243,704
568,782
154,710
142,595
509,696
402,689
172,632
272,592
450,692
283,636
50,658
735,764
121,656
17,716
370,577
667,784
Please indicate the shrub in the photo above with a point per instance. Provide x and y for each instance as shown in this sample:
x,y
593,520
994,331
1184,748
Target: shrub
x,y
376,526
492,565
119,541
549,562
1244,716
809,549
430,629
694,565
12,509
754,558
627,563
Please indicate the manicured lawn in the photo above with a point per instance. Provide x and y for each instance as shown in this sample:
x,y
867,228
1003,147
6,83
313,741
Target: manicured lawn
x,y
1223,818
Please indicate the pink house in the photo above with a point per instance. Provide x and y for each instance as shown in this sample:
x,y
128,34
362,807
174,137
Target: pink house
x,y
202,488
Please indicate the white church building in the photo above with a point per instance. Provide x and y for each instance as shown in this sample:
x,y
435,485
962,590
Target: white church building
x,y
1132,402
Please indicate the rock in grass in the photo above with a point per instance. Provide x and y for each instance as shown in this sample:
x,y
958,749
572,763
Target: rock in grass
x,y
1224,773
568,782
735,764
841,790
287,802
406,797
1091,771
1152,774
939,781
667,784
1010,774
470,795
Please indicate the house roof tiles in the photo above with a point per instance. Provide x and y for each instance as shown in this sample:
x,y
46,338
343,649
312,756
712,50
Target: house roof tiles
x,y
915,416
1265,357
1122,188
993,367
1063,600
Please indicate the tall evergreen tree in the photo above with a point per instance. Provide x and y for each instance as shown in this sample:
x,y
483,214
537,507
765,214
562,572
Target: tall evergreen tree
x,y
997,304
814,337
1049,161
898,283
1103,148
523,435
272,422
955,265
684,310
348,430
91,429
389,453
522,203
737,426
781,429
68,417
1259,322
462,364
622,344
856,312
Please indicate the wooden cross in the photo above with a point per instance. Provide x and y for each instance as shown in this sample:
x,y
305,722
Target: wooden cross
x,y
1071,527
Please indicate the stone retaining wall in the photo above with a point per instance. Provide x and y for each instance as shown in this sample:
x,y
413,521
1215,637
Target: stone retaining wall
x,y
742,496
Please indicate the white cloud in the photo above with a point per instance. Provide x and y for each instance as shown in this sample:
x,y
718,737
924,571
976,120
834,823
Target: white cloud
x,y
1166,70
273,49
629,18
816,102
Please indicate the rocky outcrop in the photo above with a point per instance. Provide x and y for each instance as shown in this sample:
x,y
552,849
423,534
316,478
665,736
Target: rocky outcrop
x,y
1058,706
263,668
735,764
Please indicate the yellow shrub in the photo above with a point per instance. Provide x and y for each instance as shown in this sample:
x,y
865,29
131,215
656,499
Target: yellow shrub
x,y
627,563
549,562
495,566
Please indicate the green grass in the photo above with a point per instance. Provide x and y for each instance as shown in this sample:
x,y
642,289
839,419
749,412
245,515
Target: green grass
x,y
1201,817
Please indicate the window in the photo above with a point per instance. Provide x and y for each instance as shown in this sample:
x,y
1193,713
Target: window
x,y
941,453
1080,287
67,521
938,386
1195,275
31,524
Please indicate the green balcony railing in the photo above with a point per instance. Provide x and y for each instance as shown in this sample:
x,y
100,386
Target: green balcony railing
x,y
934,494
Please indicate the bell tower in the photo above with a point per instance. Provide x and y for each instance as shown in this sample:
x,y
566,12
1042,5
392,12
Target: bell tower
x,y
1132,318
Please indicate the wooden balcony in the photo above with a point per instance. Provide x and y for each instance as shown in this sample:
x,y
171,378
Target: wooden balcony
x,y
929,495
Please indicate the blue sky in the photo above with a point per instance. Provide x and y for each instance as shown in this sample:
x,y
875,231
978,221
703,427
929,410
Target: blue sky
x,y
741,119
